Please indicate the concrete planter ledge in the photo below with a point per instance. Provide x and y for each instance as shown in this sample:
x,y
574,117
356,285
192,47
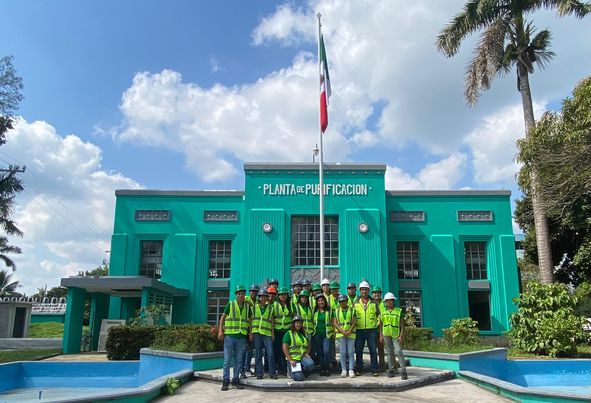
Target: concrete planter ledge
x,y
183,356
454,362
449,356
195,361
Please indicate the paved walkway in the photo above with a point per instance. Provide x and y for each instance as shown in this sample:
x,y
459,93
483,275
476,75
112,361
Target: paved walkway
x,y
79,357
452,391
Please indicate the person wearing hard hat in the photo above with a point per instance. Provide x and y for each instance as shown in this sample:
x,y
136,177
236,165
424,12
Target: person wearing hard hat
x,y
367,313
351,294
303,309
282,322
307,285
262,334
392,334
296,348
248,347
297,288
274,283
316,290
376,294
344,322
251,298
233,329
333,304
272,295
325,284
323,332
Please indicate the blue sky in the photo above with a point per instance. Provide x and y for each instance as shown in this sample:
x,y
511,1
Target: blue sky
x,y
179,94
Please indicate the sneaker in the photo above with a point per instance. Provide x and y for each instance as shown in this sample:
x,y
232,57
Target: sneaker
x,y
242,375
225,385
343,374
391,374
404,375
375,373
237,385
358,372
351,374
273,376
259,377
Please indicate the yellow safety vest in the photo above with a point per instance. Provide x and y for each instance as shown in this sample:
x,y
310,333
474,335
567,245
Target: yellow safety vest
x,y
236,322
261,322
345,321
307,317
298,345
367,318
327,323
391,322
333,302
281,316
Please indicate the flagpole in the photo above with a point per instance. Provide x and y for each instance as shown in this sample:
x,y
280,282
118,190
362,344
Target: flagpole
x,y
321,166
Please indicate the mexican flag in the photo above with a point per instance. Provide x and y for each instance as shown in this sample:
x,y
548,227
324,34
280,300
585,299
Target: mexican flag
x,y
324,87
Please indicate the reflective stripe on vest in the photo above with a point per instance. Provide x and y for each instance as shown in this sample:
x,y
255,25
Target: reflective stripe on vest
x,y
333,302
327,323
261,322
281,316
391,322
367,318
345,321
237,324
298,345
307,317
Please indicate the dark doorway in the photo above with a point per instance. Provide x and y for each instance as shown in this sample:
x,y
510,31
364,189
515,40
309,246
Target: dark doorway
x,y
20,316
479,305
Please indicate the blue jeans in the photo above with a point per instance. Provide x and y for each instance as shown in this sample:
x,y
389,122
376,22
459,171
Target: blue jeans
x,y
347,353
233,348
247,356
321,345
371,336
307,367
259,342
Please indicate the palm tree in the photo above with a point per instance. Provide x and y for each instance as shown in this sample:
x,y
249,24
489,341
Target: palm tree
x,y
508,39
7,287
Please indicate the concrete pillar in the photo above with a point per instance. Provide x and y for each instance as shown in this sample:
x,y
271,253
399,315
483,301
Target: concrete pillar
x,y
73,322
99,309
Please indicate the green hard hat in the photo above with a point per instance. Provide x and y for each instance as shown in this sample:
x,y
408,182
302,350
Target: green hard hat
x,y
333,285
376,289
282,290
316,287
239,288
304,293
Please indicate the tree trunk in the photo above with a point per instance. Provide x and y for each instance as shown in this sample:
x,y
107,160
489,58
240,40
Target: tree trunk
x,y
540,218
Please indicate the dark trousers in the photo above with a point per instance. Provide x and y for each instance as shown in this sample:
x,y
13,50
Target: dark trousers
x,y
280,361
371,337
321,345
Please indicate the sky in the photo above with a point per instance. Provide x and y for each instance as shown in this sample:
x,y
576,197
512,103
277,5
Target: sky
x,y
179,94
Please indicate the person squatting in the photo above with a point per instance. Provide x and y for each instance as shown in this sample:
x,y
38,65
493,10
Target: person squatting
x,y
291,333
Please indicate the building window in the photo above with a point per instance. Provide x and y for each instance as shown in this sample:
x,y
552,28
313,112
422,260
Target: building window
x,y
412,298
475,256
220,216
479,306
305,241
152,215
475,216
151,259
408,259
220,253
216,303
407,216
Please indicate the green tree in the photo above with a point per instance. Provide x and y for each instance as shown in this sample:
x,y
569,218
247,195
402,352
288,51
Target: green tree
x,y
509,40
7,286
11,86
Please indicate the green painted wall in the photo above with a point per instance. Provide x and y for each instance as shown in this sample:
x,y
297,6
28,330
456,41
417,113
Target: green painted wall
x,y
47,318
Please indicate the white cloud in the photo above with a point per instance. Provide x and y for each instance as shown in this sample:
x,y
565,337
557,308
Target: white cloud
x,y
66,210
215,65
287,25
441,175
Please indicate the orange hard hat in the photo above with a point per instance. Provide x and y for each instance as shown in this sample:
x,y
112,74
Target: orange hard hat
x,y
272,290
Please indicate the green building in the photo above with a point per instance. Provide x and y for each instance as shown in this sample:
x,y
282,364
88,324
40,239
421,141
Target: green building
x,y
449,254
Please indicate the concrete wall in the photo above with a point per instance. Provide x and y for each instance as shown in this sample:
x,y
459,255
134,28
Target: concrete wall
x,y
26,343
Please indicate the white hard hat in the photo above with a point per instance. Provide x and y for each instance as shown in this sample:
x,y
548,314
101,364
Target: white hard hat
x,y
364,284
388,296
325,282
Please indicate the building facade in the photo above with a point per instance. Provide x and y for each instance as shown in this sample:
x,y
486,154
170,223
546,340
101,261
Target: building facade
x,y
450,254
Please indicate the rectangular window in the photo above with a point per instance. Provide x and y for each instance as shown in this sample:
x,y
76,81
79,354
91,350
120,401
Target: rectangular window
x,y
408,259
407,216
475,256
479,306
216,303
305,241
152,215
151,259
220,253
220,216
475,215
412,298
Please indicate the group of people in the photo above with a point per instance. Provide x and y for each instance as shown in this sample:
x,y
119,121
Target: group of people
x,y
296,331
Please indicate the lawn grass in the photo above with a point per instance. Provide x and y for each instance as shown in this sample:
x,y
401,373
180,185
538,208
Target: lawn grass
x,y
583,351
25,355
47,330
440,347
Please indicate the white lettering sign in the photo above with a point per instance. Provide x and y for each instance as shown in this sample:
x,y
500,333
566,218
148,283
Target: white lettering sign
x,y
330,189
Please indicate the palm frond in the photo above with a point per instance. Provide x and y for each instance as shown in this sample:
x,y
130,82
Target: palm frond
x,y
563,7
542,40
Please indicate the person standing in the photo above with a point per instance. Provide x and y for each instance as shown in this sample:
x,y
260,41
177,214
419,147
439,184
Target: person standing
x,y
233,330
367,329
296,348
351,294
325,284
262,334
272,294
303,309
274,283
248,347
323,332
297,288
344,324
282,323
392,335
376,293
316,290
333,304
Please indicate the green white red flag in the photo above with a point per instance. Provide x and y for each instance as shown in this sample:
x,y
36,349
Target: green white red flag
x,y
324,87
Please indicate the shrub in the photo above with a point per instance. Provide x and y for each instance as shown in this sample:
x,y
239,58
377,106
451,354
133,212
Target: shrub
x,y
125,342
463,331
416,337
187,339
546,322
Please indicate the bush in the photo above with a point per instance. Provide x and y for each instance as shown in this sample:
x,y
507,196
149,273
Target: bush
x,y
546,322
125,342
463,331
187,339
416,337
